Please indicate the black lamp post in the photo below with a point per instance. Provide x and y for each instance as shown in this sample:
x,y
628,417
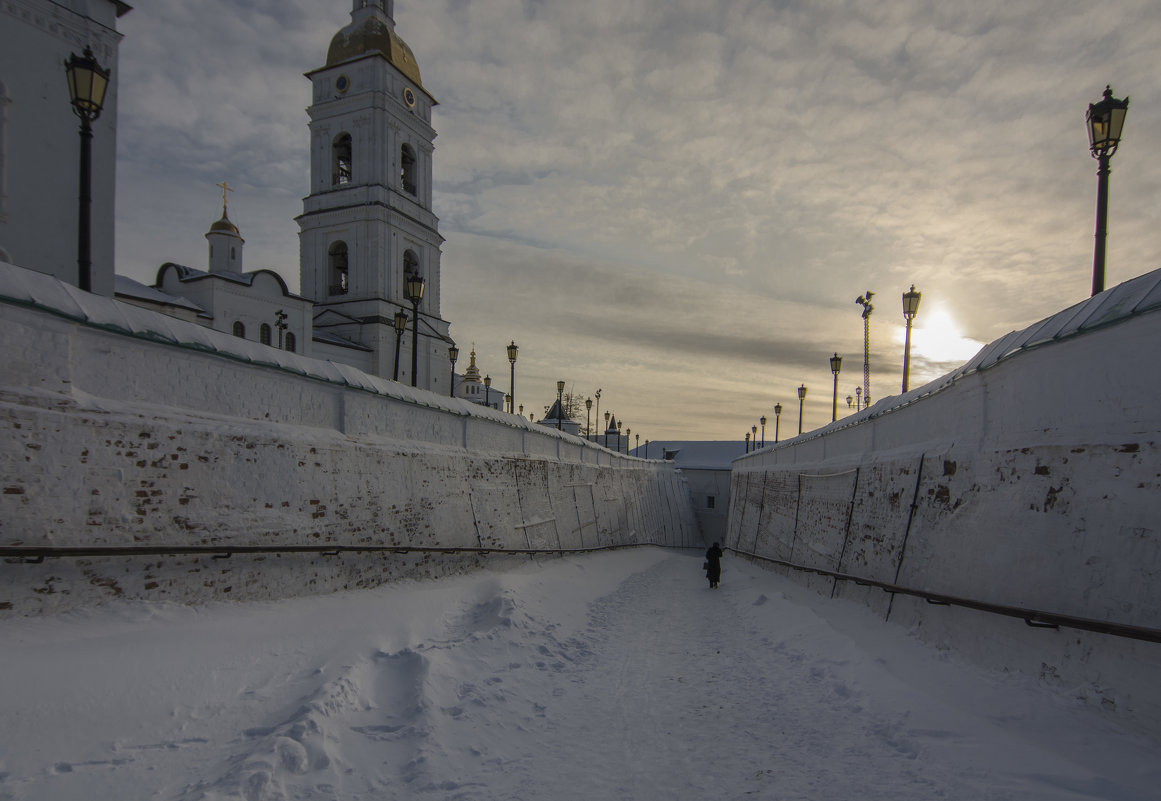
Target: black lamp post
x,y
910,309
754,430
414,287
777,419
588,418
512,351
638,443
865,302
762,420
850,401
628,439
453,354
488,391
1105,119
836,364
619,424
606,428
858,399
400,327
508,403
87,85
747,442
559,404
597,398
801,402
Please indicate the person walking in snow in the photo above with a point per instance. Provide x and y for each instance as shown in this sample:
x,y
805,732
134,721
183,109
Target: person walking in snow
x,y
713,565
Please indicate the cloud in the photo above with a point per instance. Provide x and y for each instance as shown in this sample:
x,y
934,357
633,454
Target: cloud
x,y
678,200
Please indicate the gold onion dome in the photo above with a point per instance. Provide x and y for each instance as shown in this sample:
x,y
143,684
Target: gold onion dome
x,y
372,36
472,374
224,226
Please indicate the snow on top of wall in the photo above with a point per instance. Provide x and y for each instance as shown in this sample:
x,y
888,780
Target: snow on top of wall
x,y
24,287
1119,304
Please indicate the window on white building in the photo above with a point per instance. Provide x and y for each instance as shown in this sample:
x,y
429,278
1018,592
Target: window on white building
x,y
288,340
264,334
239,330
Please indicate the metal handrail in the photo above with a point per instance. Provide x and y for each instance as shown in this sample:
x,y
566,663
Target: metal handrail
x,y
1033,617
37,554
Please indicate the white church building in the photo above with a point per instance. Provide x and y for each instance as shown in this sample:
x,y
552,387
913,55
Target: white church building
x,y
367,225
367,229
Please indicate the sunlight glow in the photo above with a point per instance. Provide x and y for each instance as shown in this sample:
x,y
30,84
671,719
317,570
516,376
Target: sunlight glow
x,y
938,339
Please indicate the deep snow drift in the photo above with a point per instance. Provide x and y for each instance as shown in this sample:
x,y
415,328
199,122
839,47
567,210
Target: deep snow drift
x,y
613,676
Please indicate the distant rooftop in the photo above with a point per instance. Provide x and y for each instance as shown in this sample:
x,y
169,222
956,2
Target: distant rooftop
x,y
695,455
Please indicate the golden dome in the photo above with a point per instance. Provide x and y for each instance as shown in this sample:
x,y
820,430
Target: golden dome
x,y
472,374
372,36
224,226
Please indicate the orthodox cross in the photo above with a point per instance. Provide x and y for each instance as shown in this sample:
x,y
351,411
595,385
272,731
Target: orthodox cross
x,y
225,187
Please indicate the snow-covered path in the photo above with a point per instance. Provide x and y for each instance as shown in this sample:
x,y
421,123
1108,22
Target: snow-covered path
x,y
614,676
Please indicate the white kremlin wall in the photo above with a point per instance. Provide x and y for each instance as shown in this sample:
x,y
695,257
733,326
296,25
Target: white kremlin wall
x,y
1029,478
123,428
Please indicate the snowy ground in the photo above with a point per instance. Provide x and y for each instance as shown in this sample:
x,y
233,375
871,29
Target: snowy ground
x,y
614,676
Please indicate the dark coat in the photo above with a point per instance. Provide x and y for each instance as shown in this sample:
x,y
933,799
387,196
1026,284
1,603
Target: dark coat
x,y
713,559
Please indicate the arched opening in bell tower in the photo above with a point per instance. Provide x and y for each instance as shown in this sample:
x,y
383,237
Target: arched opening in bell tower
x,y
341,160
407,169
340,279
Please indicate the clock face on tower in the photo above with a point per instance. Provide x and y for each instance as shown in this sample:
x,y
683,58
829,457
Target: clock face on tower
x,y
409,97
342,84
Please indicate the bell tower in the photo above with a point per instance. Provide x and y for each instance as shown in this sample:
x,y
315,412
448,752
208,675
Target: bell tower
x,y
367,224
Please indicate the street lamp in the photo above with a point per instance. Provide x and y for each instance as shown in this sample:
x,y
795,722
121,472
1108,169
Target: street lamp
x,y
508,404
858,398
512,351
910,308
865,302
488,391
619,424
747,442
606,428
762,420
754,430
638,447
801,401
597,396
414,288
400,327
1105,120
588,418
87,85
559,403
628,439
453,353
777,419
836,364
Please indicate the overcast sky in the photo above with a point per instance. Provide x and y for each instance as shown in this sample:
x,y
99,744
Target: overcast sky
x,y
678,201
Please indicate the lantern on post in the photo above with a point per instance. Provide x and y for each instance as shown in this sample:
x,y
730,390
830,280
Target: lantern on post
x,y
87,85
910,309
1106,119
413,288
